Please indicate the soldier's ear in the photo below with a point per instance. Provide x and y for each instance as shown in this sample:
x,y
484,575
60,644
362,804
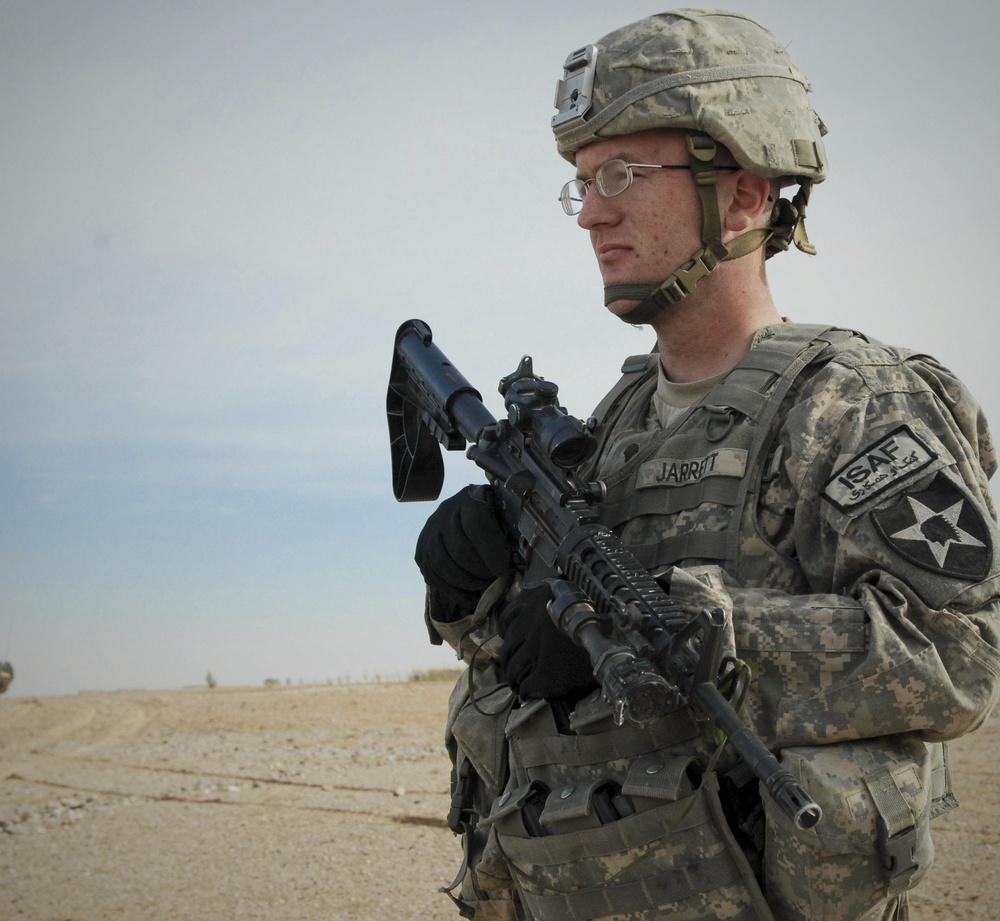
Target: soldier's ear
x,y
745,201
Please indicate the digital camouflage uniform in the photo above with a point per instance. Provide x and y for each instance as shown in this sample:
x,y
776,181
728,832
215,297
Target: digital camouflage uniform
x,y
831,494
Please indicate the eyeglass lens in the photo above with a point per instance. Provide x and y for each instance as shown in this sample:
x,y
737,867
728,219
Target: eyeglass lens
x,y
612,178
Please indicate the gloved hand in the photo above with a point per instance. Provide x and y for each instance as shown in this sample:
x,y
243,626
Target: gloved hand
x,y
462,549
537,658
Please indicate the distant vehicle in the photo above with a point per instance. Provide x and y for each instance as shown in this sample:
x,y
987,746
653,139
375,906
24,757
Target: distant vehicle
x,y
6,675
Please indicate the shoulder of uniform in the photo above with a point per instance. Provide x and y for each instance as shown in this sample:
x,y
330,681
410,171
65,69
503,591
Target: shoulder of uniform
x,y
851,355
888,368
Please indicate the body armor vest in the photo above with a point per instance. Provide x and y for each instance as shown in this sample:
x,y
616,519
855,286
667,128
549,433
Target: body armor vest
x,y
688,492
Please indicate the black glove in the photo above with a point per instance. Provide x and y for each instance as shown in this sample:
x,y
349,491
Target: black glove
x,y
537,658
462,549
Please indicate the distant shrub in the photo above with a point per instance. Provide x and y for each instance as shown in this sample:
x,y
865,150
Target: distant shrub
x,y
209,680
272,682
436,674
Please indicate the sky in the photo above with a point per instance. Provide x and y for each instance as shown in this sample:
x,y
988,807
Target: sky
x,y
214,215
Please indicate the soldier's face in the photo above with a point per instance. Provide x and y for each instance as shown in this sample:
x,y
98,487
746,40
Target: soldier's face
x,y
652,228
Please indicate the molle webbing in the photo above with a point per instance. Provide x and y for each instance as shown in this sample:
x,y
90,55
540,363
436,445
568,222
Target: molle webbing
x,y
624,743
711,457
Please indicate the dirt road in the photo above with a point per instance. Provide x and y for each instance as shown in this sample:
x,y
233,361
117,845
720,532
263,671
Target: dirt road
x,y
298,804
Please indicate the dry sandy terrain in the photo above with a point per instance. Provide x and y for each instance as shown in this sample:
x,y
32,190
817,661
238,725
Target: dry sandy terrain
x,y
298,803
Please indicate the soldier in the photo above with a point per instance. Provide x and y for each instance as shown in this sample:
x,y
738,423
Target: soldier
x,y
826,490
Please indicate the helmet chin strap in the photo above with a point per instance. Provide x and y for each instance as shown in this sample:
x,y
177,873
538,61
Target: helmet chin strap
x,y
654,298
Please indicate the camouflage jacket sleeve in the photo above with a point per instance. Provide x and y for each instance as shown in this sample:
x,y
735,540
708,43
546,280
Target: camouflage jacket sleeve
x,y
474,637
880,498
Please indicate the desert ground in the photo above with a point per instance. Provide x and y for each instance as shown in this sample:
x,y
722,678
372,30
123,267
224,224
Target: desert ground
x,y
300,804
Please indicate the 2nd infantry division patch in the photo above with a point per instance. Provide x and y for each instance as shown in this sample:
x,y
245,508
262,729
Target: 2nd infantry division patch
x,y
939,529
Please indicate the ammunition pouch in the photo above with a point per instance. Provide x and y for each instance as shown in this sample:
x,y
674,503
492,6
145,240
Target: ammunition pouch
x,y
671,854
617,821
873,843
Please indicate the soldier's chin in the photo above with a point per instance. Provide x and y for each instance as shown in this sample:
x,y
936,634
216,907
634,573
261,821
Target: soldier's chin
x,y
622,307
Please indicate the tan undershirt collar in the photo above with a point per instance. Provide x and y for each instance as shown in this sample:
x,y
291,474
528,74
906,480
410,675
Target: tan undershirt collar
x,y
671,399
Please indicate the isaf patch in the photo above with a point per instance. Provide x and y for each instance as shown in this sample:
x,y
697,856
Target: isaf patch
x,y
939,529
892,460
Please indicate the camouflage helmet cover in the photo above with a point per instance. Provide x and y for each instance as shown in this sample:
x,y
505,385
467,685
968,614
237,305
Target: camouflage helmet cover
x,y
710,71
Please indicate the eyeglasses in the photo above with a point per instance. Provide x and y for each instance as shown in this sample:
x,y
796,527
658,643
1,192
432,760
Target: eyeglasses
x,y
612,178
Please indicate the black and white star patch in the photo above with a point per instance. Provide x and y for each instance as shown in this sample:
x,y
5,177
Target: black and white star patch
x,y
939,529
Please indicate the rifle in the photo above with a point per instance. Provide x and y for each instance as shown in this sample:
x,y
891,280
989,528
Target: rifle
x,y
647,654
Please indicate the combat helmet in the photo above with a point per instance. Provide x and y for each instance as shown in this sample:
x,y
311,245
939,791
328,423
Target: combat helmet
x,y
725,79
